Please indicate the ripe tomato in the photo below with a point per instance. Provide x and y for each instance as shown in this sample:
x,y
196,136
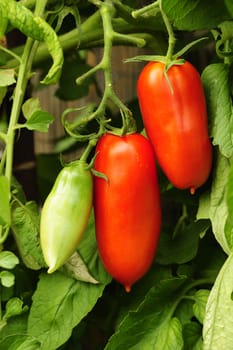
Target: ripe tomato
x,y
127,206
175,119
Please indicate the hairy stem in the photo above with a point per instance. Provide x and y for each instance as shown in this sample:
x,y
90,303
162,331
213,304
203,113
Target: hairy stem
x,y
171,36
19,93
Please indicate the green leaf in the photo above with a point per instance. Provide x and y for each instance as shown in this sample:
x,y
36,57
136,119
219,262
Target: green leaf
x,y
19,342
53,315
218,211
223,37
7,77
183,247
30,106
152,325
17,190
76,268
25,226
201,297
193,15
14,307
210,257
215,78
192,333
5,201
15,325
217,330
7,279
39,121
229,202
8,260
184,311
229,6
29,344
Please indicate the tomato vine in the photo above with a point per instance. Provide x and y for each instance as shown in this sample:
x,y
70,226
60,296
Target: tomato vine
x,y
180,294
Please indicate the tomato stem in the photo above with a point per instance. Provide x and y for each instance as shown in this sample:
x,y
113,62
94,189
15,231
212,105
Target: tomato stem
x,y
107,12
146,9
171,36
23,76
91,144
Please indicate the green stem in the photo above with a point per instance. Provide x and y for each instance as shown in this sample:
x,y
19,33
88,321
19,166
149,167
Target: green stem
x,y
11,53
136,34
91,144
16,107
19,93
171,36
146,9
196,283
107,11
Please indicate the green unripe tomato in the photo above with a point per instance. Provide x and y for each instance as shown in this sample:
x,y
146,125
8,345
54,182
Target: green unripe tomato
x,y
65,214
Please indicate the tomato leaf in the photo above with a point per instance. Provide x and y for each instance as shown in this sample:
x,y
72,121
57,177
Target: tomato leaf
x,y
8,260
76,268
152,324
201,297
229,5
30,106
19,342
37,119
7,77
68,300
192,15
25,226
7,278
183,247
216,82
218,331
218,210
192,336
15,326
229,202
14,306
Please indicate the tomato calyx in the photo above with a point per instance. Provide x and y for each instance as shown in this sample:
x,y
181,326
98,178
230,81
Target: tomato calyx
x,y
175,59
128,124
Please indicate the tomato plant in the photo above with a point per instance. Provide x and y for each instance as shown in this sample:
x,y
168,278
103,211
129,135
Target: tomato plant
x,y
174,112
127,206
180,267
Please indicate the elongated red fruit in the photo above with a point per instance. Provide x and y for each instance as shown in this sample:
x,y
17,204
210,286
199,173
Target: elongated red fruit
x,y
127,206
174,114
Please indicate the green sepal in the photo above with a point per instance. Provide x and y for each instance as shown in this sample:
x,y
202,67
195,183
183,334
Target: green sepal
x,y
187,47
99,174
158,58
141,58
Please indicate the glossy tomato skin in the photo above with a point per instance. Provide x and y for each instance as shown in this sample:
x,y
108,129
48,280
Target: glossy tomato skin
x,y
65,214
175,119
127,206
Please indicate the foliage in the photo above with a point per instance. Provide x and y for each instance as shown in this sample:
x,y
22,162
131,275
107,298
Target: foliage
x,y
185,300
